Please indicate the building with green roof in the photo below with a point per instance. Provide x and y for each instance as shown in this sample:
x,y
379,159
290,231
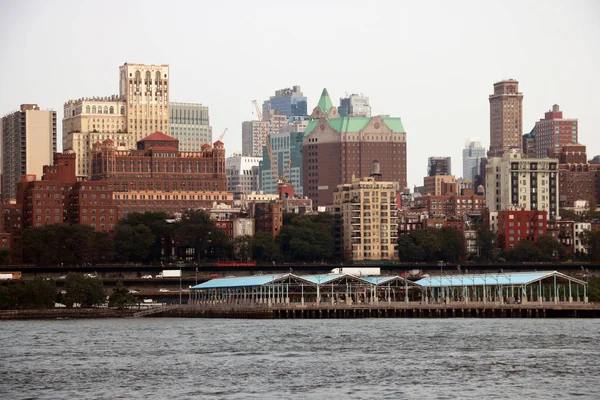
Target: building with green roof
x,y
336,149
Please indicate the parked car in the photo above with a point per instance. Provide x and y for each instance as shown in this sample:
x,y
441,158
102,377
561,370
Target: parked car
x,y
147,277
90,275
133,291
62,277
164,290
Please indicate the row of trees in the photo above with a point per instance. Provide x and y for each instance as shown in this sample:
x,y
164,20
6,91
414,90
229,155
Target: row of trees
x,y
448,244
143,238
42,293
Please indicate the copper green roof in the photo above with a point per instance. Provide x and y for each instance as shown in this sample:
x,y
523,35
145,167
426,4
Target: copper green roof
x,y
325,103
355,124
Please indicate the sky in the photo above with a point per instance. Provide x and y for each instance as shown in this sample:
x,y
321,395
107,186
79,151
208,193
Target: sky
x,y
432,63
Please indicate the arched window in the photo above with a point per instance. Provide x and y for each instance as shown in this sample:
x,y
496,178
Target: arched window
x,y
138,76
122,110
87,109
112,110
93,109
157,76
148,77
105,109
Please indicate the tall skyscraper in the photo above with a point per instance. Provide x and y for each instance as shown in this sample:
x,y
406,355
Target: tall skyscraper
x,y
93,119
334,149
28,143
288,102
439,166
355,106
472,155
287,151
190,125
506,117
554,132
145,89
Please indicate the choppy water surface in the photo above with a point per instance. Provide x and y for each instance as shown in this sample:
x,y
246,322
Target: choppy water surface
x,y
257,359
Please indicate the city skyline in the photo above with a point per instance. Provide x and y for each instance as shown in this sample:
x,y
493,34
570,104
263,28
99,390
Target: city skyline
x,y
415,85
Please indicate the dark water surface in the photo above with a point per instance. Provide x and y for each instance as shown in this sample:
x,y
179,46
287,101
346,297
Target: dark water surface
x,y
322,359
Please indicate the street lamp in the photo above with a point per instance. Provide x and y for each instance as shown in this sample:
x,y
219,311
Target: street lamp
x,y
180,265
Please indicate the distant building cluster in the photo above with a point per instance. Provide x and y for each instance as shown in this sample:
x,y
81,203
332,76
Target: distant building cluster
x,y
138,151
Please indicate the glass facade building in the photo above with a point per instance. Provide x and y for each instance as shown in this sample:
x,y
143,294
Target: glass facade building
x,y
285,147
288,102
190,125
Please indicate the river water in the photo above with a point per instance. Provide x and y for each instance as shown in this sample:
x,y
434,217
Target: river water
x,y
299,359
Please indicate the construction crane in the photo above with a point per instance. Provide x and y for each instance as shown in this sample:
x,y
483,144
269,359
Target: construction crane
x,y
265,136
282,180
222,134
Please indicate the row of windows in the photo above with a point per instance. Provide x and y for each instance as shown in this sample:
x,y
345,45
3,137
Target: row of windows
x,y
102,110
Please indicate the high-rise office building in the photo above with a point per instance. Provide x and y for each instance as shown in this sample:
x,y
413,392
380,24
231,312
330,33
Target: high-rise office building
x,y
253,133
28,143
506,117
334,149
286,147
554,132
439,166
190,125
288,102
355,106
145,89
90,120
472,155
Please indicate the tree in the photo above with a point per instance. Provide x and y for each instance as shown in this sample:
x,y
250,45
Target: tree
x,y
39,246
408,250
133,243
452,245
263,247
195,230
104,247
39,293
525,250
594,289
591,241
550,249
158,225
83,290
487,244
242,247
120,297
306,237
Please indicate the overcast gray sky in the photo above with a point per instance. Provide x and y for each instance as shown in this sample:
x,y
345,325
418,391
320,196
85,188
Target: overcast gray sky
x,y
432,63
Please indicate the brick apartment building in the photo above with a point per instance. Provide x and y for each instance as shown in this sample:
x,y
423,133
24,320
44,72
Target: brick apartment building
x,y
158,177
451,206
578,179
516,225
335,149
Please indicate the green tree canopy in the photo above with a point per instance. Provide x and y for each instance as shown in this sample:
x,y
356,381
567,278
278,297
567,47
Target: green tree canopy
x,y
133,243
120,297
83,290
306,237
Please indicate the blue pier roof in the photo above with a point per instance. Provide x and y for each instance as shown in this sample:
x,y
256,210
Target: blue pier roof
x,y
505,279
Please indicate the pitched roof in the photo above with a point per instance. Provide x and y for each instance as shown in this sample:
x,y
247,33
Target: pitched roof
x,y
325,102
158,136
355,124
